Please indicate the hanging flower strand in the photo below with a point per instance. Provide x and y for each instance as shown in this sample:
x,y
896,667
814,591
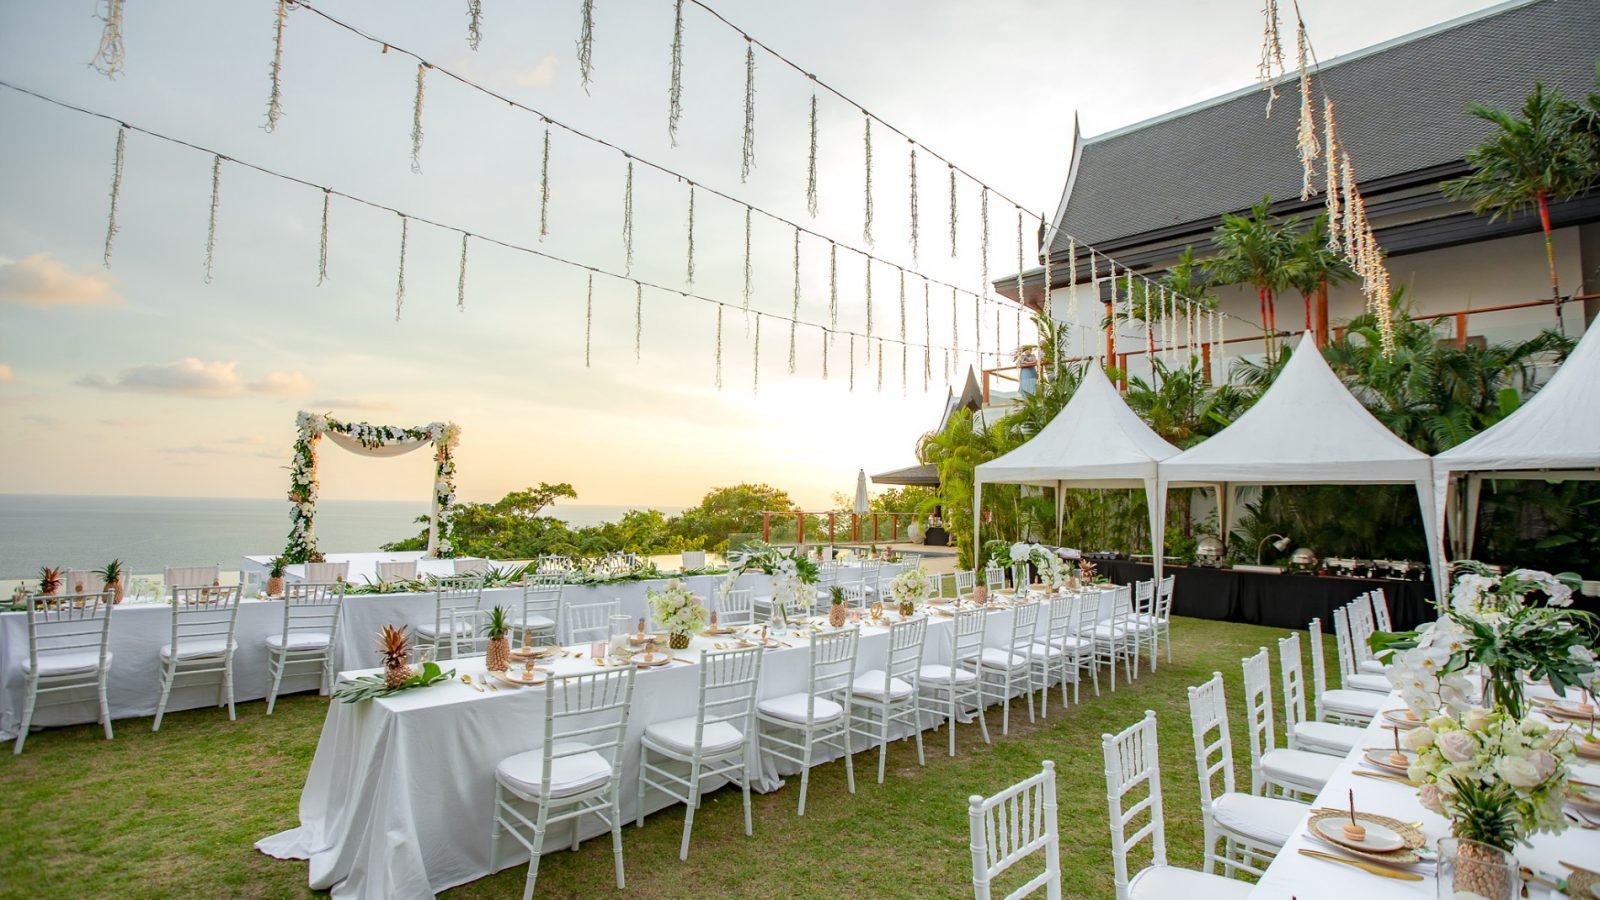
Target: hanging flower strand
x,y
116,193
748,269
869,305
927,339
826,337
211,223
1306,134
719,346
1271,52
400,281
586,43
953,214
689,265
675,91
833,286
755,361
915,224
794,308
461,276
1049,307
474,23
322,253
108,58
544,185
955,323
275,96
416,121
811,162
638,319
1021,260
748,150
627,219
866,222
1330,162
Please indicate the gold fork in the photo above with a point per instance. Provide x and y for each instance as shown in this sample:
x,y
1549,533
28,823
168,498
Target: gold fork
x,y
1371,868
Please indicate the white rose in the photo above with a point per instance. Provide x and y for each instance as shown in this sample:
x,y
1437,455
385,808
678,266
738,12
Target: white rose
x,y
1417,739
1517,771
1475,719
1458,746
1428,796
1544,763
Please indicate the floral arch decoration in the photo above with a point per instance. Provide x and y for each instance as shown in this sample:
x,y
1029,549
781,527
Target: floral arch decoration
x,y
367,440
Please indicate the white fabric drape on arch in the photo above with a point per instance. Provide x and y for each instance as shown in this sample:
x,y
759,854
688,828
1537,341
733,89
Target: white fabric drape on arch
x,y
392,449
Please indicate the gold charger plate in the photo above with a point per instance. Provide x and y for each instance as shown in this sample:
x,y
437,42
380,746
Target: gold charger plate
x,y
533,653
514,677
1406,856
1380,759
661,658
1398,717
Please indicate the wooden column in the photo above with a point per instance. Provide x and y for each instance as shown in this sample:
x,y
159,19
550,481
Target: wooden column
x,y
766,527
800,529
1321,332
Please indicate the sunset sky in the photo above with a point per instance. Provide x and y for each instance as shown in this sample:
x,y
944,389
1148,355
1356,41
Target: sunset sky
x,y
144,379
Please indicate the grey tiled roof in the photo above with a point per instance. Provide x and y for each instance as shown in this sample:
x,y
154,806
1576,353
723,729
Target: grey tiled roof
x,y
1399,108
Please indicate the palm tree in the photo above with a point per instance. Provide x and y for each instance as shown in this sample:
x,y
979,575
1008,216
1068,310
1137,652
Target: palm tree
x,y
1313,265
1251,250
1529,160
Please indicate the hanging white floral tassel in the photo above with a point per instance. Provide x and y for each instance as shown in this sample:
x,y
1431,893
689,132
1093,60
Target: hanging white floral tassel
x,y
1072,286
638,319
827,338
902,332
880,364
811,163
275,96
977,326
1021,260
689,265
1220,357
946,355
755,361
544,185
627,220
211,223
1094,283
1049,303
1331,163
852,362
955,323
916,225
108,58
1348,189
400,282
461,277
1108,356
997,335
794,308
416,121
953,213
675,91
719,346
866,221
116,193
983,260
588,318
748,151
474,23
322,253
905,356
927,337
869,305
748,271
1271,52
833,286
586,45
1306,134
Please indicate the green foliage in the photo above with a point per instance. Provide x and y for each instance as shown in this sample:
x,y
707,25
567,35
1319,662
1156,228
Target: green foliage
x,y
112,571
1537,155
367,687
1484,813
498,623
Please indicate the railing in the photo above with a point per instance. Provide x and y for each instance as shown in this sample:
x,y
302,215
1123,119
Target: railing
x,y
834,527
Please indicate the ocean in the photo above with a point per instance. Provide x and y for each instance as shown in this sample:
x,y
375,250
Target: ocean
x,y
149,533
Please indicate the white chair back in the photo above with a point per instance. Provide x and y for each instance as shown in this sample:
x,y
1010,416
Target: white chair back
x,y
832,669
1380,610
79,624
1132,762
403,570
1319,671
1258,710
1293,678
1361,628
728,685
327,572
189,576
737,607
1213,757
83,581
855,596
906,640
201,615
966,580
1168,584
312,609
586,712
456,605
1341,639
1088,612
471,566
1144,598
966,638
1011,826
1024,621
588,622
541,600
692,559
994,579
910,560
1063,618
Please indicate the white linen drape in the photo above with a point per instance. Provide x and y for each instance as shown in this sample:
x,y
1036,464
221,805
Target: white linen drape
x,y
392,449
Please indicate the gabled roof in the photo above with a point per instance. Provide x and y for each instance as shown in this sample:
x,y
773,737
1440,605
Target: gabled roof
x,y
1400,109
971,398
1095,439
1306,429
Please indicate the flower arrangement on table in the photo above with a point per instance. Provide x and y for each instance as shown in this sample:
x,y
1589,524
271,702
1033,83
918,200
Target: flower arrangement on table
x,y
394,646
678,611
909,588
1497,778
1490,621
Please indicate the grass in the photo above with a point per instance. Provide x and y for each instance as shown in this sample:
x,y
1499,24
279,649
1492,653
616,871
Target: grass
x,y
176,813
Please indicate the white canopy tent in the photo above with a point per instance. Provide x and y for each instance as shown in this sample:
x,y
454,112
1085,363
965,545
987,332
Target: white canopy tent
x,y
1554,436
1306,429
1096,441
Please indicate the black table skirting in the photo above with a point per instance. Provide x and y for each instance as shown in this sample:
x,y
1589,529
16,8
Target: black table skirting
x,y
1279,601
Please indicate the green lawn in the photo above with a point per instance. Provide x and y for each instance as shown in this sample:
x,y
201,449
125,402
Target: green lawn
x,y
176,813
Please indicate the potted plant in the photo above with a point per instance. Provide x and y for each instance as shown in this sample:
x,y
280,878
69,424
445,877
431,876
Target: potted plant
x,y
678,611
838,612
112,573
275,576
497,628
49,580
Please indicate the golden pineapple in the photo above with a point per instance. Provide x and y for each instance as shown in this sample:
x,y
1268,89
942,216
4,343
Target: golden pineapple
x,y
838,612
394,646
497,628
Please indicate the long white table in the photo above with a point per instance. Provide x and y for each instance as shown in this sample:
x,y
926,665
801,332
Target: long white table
x,y
1294,875
398,799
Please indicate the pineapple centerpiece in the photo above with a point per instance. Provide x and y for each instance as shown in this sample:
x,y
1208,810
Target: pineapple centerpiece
x,y
49,580
838,612
275,576
112,574
394,645
498,629
1484,822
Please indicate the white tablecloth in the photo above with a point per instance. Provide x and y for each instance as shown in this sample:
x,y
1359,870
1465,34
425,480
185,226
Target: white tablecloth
x,y
398,802
1292,874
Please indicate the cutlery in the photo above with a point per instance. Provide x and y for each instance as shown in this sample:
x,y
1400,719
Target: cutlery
x,y
1575,868
1581,821
484,679
1371,868
1383,777
1532,877
475,686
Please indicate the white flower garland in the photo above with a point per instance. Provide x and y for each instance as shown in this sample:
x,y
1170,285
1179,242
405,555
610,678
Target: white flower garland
x,y
586,44
116,193
544,186
675,91
953,210
474,23
866,221
211,222
955,325
833,286
1331,163
588,318
915,218
811,163
1306,134
794,308
627,219
1271,52
689,264
868,268
719,346
927,339
275,96
108,57
416,121
748,270
755,361
826,336
748,150
638,318
400,280
322,254
461,277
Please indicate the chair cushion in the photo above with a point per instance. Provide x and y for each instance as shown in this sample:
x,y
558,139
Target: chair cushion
x,y
1373,667
1327,737
869,685
1299,767
299,640
1073,641
534,620
792,708
1375,684
1043,651
199,649
1108,632
568,774
996,658
943,675
66,662
677,736
463,626
1166,882
1267,820
1364,704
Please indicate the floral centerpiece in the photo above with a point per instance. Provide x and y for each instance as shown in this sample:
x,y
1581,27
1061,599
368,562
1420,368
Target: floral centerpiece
x,y
1490,621
910,587
678,611
1497,778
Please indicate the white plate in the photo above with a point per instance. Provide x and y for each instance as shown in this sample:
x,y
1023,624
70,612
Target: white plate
x,y
1399,717
1378,839
1380,758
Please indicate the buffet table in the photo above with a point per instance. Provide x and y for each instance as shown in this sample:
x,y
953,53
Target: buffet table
x,y
1289,600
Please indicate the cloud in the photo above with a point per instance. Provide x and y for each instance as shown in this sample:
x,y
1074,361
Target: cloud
x,y
191,377
284,384
539,75
40,281
338,403
251,449
5,374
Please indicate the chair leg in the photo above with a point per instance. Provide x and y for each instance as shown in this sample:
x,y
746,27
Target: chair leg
x,y
688,812
494,840
805,773
535,852
883,742
616,832
105,707
952,696
1005,707
983,714
1211,847
1168,630
27,713
1029,690
744,787
849,756
916,718
227,684
276,665
168,673
644,759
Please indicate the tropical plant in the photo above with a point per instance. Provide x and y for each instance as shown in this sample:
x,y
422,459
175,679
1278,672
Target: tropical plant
x,y
368,687
49,579
1252,249
1529,160
1311,266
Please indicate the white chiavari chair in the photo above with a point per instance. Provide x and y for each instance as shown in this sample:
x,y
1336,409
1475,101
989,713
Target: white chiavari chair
x,y
1380,610
966,580
540,619
1273,769
1339,705
310,632
1141,621
69,649
994,579
1304,734
391,572
1361,628
188,576
1349,678
818,719
83,581
737,607
910,560
1011,826
1113,639
871,572
326,572
1048,657
1132,766
203,621
1006,669
713,742
954,687
1251,829
471,566
576,771
588,622
457,612
856,596
1079,645
882,697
